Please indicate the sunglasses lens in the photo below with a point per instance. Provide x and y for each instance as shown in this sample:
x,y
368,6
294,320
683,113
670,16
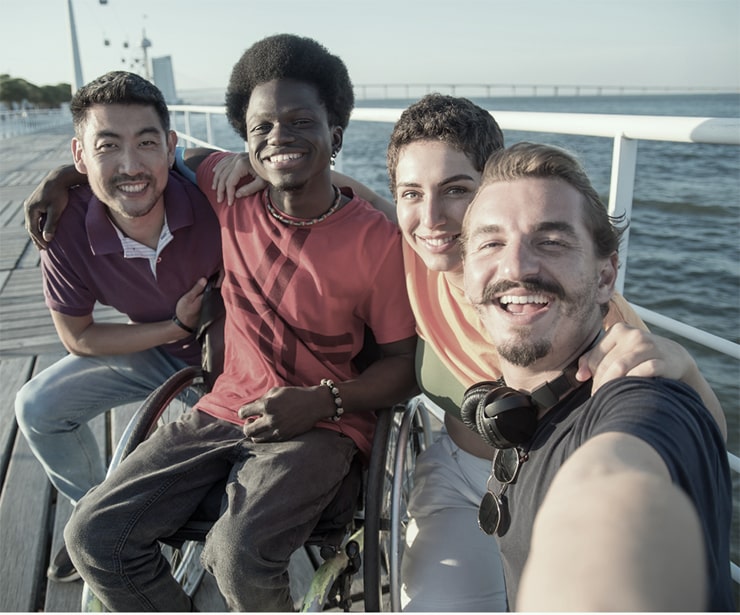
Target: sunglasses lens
x,y
488,514
505,465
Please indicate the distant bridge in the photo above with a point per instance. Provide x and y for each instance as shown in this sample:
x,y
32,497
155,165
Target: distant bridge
x,y
487,90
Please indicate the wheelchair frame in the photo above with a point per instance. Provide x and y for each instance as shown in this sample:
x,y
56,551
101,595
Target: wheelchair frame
x,y
375,542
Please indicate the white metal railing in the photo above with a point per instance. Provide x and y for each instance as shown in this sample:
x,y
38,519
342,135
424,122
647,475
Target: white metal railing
x,y
625,130
181,115
26,121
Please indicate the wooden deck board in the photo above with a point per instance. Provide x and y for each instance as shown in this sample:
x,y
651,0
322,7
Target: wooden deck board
x,y
25,504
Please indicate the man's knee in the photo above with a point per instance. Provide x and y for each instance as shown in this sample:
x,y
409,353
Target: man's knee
x,y
30,409
86,536
248,580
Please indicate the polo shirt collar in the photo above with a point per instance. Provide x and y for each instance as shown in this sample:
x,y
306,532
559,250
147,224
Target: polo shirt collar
x,y
101,233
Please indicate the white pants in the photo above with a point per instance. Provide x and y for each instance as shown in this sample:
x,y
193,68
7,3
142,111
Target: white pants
x,y
448,563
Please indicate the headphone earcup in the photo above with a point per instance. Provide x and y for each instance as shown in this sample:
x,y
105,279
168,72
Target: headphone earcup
x,y
506,417
471,398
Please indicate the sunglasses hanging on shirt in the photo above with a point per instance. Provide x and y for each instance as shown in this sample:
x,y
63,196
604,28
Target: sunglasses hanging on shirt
x,y
493,512
507,419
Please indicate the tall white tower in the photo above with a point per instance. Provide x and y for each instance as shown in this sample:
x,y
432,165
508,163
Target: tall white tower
x,y
77,83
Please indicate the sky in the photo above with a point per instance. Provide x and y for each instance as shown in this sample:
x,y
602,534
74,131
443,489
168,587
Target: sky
x,y
659,43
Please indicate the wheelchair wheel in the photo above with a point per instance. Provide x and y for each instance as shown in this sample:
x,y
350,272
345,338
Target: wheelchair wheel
x,y
176,396
401,434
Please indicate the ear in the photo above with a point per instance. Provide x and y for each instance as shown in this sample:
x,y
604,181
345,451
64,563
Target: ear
x,y
77,156
608,277
337,138
171,145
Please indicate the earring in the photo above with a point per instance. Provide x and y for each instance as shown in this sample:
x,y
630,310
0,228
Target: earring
x,y
333,159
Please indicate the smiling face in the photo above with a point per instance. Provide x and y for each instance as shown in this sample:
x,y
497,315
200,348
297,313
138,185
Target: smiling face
x,y
289,137
434,186
126,154
531,270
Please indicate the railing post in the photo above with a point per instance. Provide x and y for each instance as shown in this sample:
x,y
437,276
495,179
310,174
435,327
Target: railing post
x,y
209,128
188,131
624,163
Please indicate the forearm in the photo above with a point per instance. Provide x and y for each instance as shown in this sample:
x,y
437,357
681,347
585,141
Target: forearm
x,y
116,339
616,550
191,157
45,204
386,382
633,542
64,177
366,193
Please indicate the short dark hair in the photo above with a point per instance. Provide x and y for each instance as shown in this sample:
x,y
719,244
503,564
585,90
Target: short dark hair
x,y
118,87
287,56
458,122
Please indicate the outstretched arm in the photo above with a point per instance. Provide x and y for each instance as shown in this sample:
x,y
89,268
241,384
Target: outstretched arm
x,y
45,205
628,351
614,534
377,201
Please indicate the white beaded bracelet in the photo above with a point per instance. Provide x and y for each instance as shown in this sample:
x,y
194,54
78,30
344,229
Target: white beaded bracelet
x,y
339,410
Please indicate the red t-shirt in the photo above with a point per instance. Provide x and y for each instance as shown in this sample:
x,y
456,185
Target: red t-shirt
x,y
298,298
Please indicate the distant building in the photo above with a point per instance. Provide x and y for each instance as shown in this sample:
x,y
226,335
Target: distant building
x,y
164,78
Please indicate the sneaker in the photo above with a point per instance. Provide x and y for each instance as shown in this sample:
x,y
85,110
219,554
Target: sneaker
x,y
61,569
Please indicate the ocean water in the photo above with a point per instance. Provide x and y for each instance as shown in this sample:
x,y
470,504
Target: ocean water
x,y
684,248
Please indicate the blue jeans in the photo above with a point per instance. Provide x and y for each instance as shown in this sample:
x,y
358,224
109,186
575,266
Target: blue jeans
x,y
54,408
275,494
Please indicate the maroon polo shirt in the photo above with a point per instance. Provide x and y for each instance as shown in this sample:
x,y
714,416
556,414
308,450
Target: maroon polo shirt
x,y
85,263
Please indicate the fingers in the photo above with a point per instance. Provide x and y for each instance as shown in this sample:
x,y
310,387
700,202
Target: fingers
x,y
197,289
628,351
257,427
222,172
35,224
233,178
255,184
188,306
50,226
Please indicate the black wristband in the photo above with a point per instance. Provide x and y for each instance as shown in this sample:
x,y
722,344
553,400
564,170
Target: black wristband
x,y
181,324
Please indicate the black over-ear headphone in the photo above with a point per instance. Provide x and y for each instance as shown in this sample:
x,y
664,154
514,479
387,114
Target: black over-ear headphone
x,y
505,417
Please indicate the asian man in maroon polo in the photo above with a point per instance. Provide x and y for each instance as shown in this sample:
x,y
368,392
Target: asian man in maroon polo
x,y
139,238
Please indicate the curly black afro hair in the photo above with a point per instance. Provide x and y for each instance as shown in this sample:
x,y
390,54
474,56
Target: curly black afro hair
x,y
286,56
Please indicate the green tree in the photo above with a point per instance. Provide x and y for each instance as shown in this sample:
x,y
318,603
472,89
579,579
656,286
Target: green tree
x,y
14,90
53,95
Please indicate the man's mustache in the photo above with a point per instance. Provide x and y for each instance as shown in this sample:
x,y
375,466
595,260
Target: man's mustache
x,y
531,285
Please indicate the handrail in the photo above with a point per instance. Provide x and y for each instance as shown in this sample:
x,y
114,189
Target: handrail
x,y
648,127
26,121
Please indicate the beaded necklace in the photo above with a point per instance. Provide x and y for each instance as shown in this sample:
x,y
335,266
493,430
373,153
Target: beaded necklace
x,y
308,222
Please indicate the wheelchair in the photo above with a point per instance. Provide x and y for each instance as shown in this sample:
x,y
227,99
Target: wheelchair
x,y
366,543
